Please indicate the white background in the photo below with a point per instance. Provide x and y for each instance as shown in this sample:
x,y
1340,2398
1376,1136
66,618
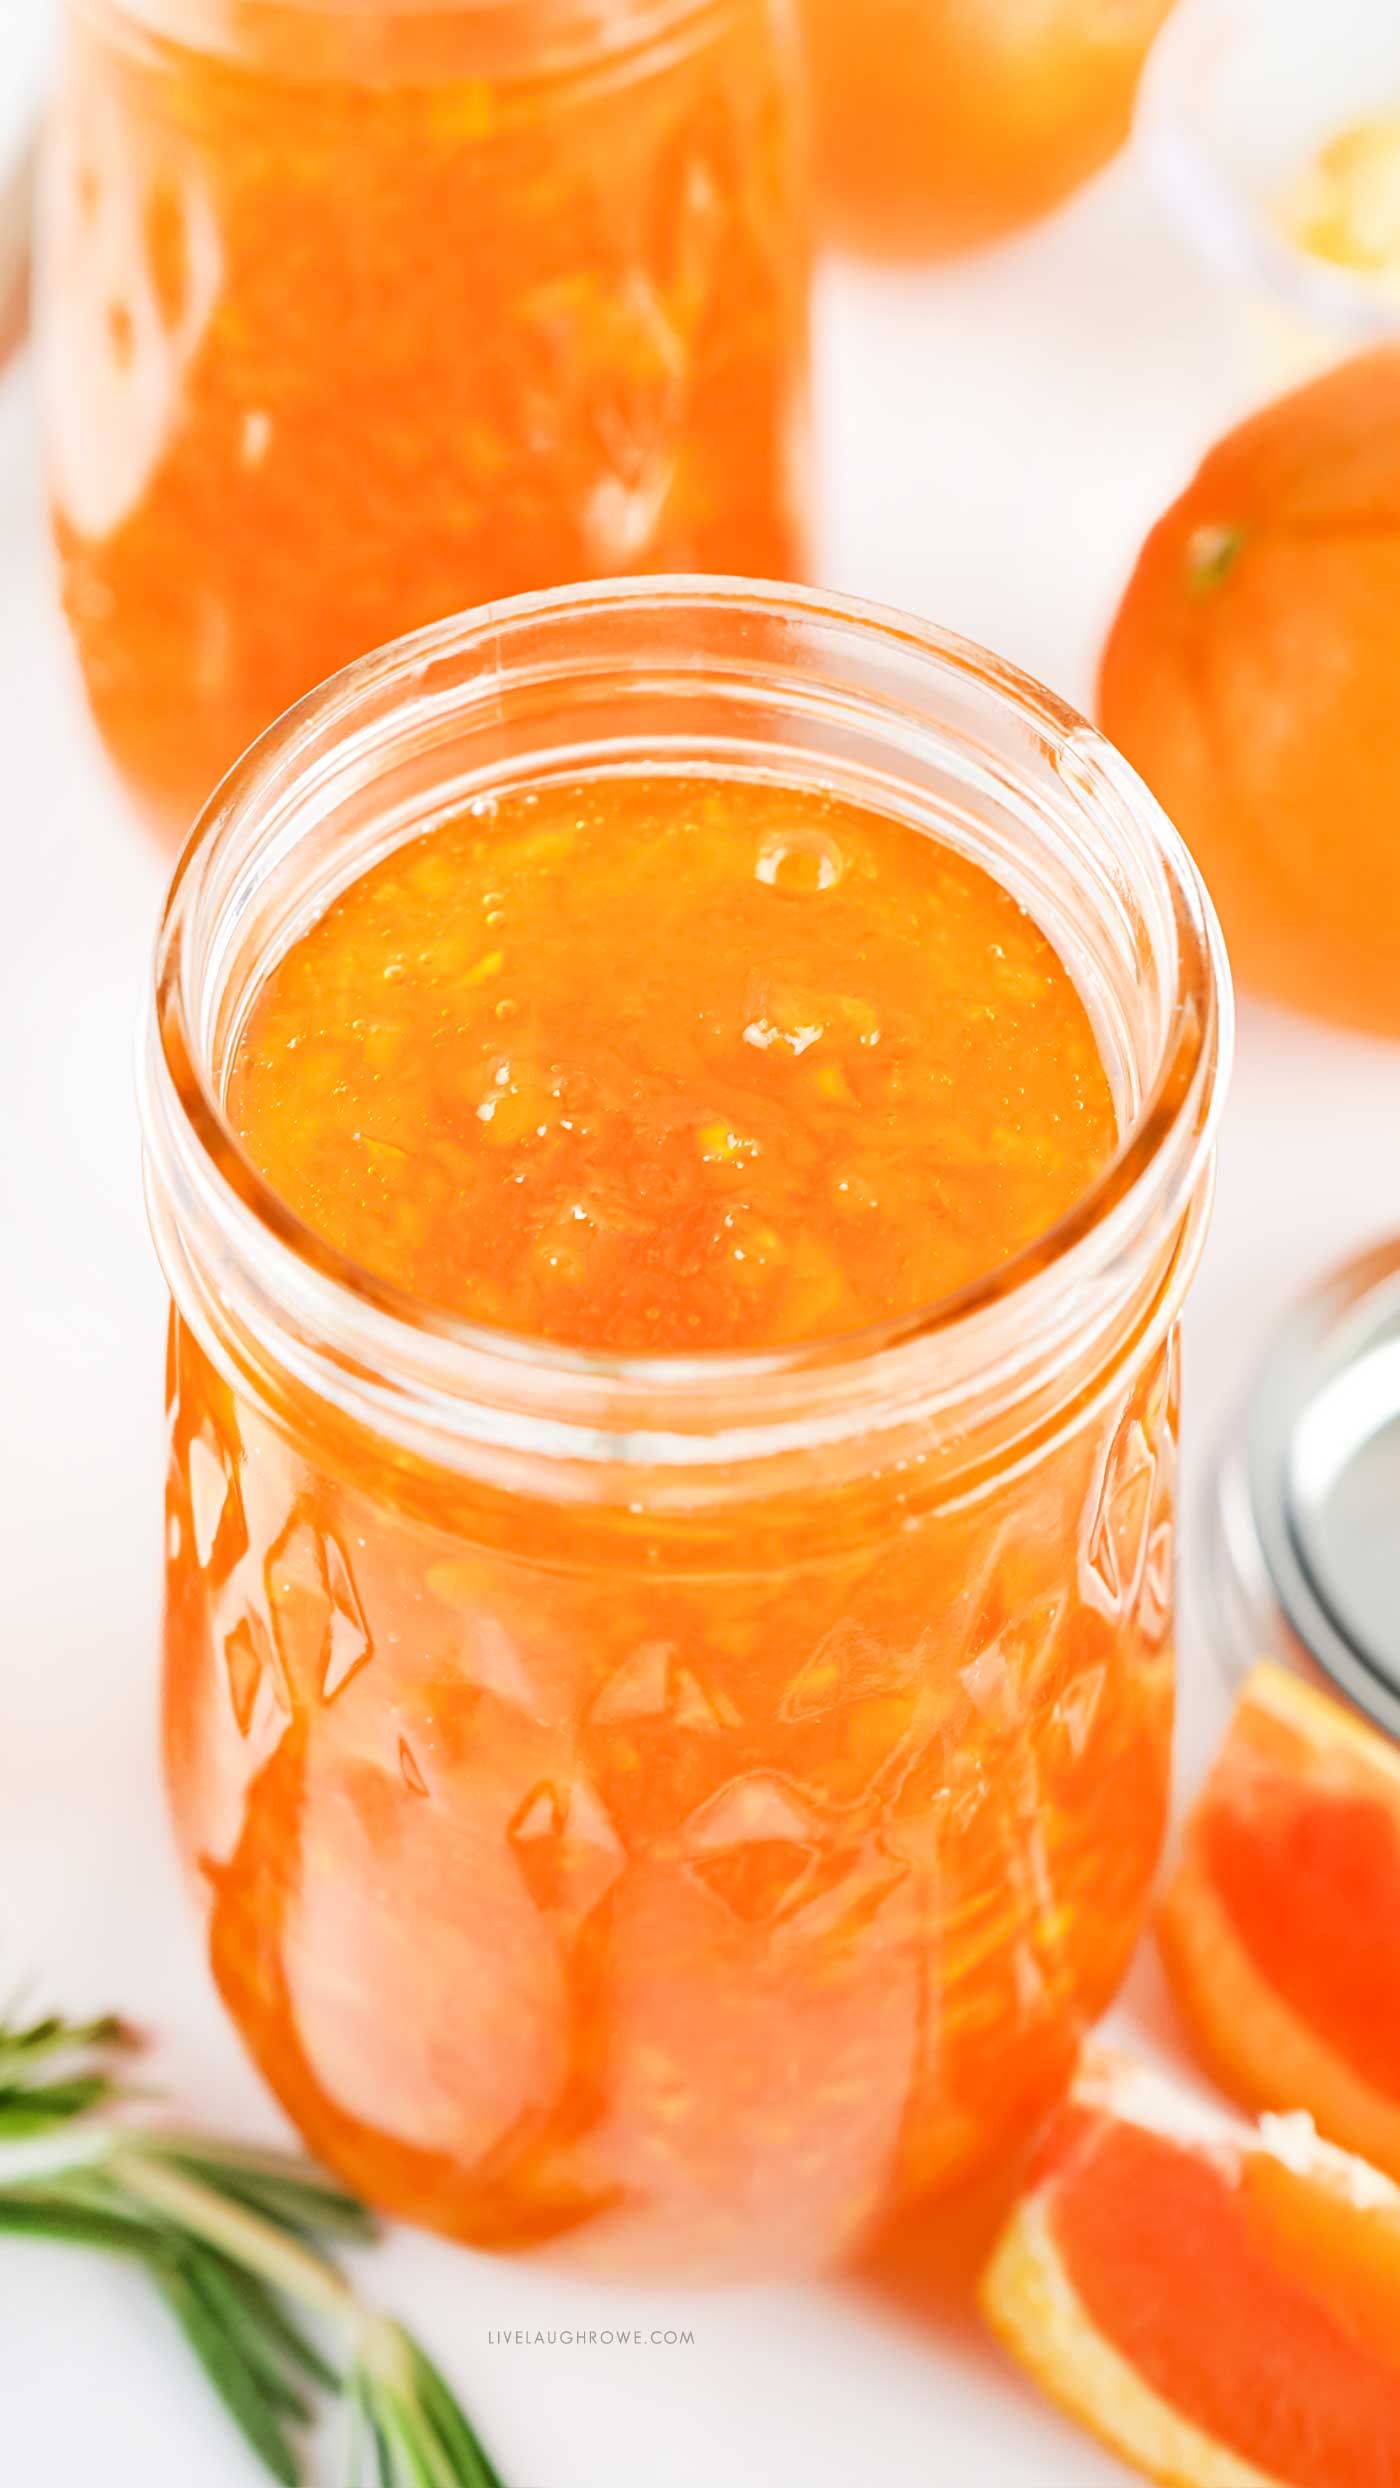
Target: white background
x,y
995,441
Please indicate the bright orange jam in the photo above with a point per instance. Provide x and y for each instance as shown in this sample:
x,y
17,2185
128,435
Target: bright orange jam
x,y
357,317
656,1065
689,1881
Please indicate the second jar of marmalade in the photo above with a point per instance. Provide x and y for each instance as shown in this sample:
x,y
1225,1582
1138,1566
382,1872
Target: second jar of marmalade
x,y
354,315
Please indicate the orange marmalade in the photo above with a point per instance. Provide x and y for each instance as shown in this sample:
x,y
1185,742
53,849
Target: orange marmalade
x,y
355,316
668,1678
665,1065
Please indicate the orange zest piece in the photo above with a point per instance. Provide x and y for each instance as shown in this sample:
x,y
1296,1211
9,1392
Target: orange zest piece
x,y
1281,1928
1219,2304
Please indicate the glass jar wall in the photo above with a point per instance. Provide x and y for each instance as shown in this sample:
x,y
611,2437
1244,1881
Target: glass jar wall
x,y
671,1811
353,316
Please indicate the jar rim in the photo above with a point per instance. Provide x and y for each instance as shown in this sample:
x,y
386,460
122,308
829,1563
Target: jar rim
x,y
565,35
1171,1133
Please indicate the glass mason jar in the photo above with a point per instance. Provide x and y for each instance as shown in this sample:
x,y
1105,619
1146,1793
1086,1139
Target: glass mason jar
x,y
675,1809
356,312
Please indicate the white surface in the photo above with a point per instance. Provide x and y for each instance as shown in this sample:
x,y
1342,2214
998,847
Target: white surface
x,y
996,441
24,46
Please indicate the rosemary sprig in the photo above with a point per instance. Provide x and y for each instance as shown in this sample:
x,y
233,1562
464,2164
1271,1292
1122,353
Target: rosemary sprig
x,y
234,2243
28,2106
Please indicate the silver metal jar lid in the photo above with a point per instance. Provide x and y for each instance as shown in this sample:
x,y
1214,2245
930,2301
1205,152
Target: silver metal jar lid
x,y
1304,1554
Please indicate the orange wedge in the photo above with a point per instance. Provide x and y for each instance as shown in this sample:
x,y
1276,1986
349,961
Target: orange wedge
x,y
1281,1927
1219,2303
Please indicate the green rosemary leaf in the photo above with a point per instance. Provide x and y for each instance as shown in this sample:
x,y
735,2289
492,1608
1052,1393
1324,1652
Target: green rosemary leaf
x,y
383,2454
233,2240
269,2312
371,2462
36,2107
444,2414
29,2106
49,2036
240,2319
358,2448
297,2199
76,2224
412,2460
236,2387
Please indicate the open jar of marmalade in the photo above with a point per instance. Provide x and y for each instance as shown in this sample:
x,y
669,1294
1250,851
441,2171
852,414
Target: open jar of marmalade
x,y
678,1120
354,315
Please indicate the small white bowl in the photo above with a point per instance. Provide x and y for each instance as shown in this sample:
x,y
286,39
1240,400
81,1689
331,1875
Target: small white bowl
x,y
1238,99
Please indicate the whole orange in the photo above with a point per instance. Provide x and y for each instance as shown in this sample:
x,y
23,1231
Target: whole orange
x,y
1252,676
943,123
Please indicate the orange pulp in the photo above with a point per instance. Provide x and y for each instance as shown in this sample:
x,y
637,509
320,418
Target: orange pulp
x,y
693,1885
1333,1846
1258,2306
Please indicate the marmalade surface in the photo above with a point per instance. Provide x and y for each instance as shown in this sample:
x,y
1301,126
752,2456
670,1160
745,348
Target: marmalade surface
x,y
657,1064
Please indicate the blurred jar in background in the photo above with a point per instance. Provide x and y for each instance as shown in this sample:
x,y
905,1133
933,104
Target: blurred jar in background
x,y
353,315
942,124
